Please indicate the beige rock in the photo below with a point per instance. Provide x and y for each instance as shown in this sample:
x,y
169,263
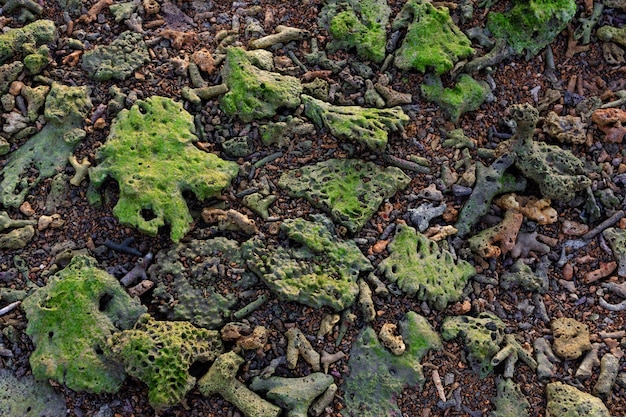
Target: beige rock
x,y
391,340
571,338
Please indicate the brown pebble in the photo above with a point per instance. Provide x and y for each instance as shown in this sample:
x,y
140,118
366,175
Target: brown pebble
x,y
100,124
622,223
26,209
568,272
16,88
605,270
380,246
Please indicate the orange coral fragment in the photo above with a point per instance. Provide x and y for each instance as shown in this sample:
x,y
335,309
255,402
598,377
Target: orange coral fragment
x,y
504,233
610,122
533,208
204,60
179,39
92,13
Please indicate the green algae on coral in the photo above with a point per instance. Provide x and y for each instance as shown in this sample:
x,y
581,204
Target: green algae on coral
x,y
567,401
26,397
47,151
323,272
150,153
69,321
160,354
419,267
26,40
466,95
377,376
432,40
350,190
118,60
360,124
617,240
531,25
189,292
509,401
482,335
255,93
358,24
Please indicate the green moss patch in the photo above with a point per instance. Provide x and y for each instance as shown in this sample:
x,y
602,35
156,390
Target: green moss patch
x,y
150,153
27,40
466,95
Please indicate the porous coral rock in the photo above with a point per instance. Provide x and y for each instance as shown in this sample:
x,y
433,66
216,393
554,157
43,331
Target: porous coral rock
x,y
255,93
69,321
150,153
466,95
350,190
610,121
357,24
509,400
432,39
298,345
530,26
509,355
377,376
9,73
482,335
421,268
567,401
504,233
571,338
118,60
26,397
189,292
47,151
531,207
160,354
617,240
559,174
229,220
391,340
280,133
293,394
609,367
26,40
360,124
322,272
36,98
566,129
612,34
522,275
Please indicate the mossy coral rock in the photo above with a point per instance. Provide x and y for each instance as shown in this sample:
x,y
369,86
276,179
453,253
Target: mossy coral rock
x,y
567,401
510,401
359,124
531,25
466,95
377,376
69,321
360,25
26,40
482,335
432,39
150,153
160,354
47,151
323,272
255,93
188,291
420,267
118,60
25,397
350,190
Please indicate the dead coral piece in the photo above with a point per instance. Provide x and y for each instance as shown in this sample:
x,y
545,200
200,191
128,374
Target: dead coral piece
x,y
298,345
284,34
151,7
81,168
606,269
573,228
529,242
571,338
546,359
179,39
609,367
54,221
231,220
327,324
330,358
504,233
204,60
510,353
566,129
365,301
533,208
391,340
590,361
141,288
244,336
93,12
610,122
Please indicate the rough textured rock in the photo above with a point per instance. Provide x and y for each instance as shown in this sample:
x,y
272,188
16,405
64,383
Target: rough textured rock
x,y
47,151
26,397
421,268
565,129
160,354
357,24
466,95
530,26
255,93
483,336
617,240
189,292
377,376
349,190
365,125
26,41
571,338
118,60
293,394
509,400
71,352
567,401
323,272
432,39
498,239
558,173
522,275
17,238
150,153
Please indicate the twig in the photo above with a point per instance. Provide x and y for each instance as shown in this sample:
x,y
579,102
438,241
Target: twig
x,y
123,247
8,308
604,225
